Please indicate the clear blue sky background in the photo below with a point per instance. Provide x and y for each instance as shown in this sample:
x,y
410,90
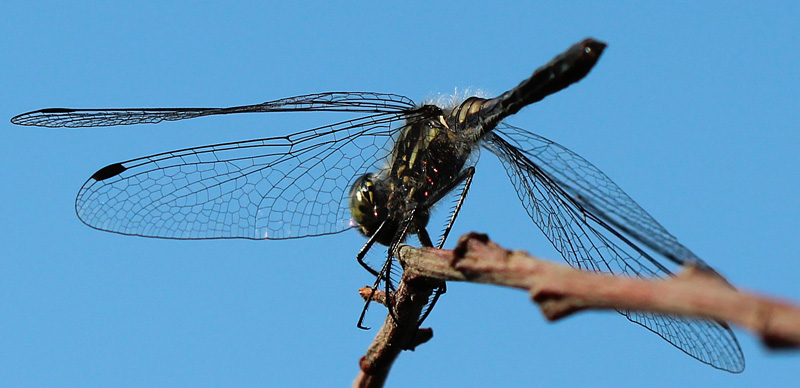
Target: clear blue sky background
x,y
693,110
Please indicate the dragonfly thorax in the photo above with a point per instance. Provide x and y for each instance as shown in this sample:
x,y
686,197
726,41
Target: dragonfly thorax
x,y
426,159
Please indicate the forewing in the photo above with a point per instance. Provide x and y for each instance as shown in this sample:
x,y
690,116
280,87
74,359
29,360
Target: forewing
x,y
273,188
337,101
587,242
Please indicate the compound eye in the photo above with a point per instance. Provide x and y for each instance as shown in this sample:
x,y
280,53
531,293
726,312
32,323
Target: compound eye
x,y
361,201
367,203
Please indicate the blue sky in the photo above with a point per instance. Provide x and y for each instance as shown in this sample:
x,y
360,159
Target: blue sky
x,y
693,110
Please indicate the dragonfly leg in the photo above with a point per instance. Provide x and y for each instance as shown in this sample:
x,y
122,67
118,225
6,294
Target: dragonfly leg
x,y
424,237
384,275
363,252
436,294
373,289
465,178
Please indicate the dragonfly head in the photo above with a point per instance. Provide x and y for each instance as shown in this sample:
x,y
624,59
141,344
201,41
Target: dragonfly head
x,y
369,207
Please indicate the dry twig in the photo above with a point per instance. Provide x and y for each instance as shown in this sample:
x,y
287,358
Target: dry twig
x,y
560,290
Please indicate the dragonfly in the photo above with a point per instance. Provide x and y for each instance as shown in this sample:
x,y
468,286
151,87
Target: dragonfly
x,y
381,173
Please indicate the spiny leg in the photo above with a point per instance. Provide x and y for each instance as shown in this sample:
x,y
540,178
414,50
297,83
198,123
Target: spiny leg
x,y
394,247
385,273
373,289
466,177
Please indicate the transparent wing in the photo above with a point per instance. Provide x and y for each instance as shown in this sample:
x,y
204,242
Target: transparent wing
x,y
588,241
273,188
595,191
336,101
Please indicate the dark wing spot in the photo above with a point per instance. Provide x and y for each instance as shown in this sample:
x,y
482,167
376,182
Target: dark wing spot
x,y
55,110
109,171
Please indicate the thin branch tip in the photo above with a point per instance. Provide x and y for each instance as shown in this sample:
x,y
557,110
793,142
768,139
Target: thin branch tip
x,y
370,294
